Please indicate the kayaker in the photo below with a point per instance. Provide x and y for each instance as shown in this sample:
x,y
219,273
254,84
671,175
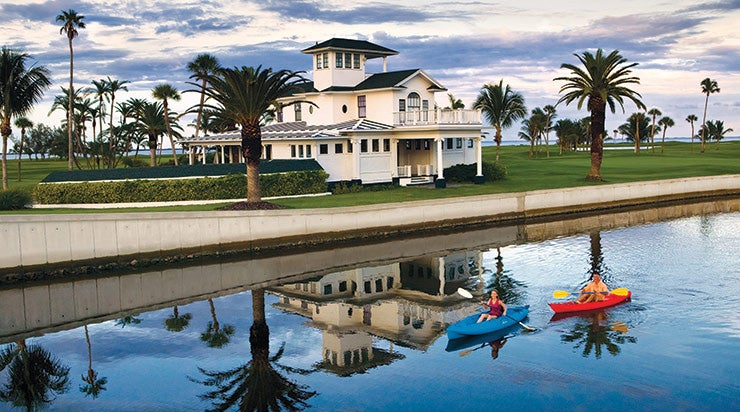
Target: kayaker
x,y
594,291
496,307
495,346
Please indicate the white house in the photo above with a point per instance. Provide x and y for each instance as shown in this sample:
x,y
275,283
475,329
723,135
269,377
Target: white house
x,y
365,127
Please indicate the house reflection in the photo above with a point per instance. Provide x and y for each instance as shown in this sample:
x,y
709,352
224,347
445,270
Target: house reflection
x,y
405,303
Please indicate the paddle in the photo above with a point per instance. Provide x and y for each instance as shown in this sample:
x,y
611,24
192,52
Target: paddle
x,y
464,293
559,294
467,352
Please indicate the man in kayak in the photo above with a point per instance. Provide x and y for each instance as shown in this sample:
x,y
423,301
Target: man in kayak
x,y
496,308
594,291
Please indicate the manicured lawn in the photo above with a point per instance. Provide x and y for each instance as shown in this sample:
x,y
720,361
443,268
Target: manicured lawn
x,y
524,174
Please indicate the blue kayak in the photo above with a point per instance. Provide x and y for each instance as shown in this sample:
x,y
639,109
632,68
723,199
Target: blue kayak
x,y
469,327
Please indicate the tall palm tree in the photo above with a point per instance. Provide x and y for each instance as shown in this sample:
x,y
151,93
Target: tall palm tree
x,y
34,376
245,95
71,22
551,115
501,106
21,87
455,103
166,92
636,128
203,66
151,123
653,112
100,91
665,122
23,123
691,119
113,87
93,385
708,86
602,83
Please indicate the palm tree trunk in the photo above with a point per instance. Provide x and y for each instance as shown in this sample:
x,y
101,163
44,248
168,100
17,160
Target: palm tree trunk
x,y
20,153
4,159
70,110
200,108
153,151
497,138
704,123
169,131
252,151
598,114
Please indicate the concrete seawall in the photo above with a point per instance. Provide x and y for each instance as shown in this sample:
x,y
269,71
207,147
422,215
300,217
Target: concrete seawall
x,y
32,241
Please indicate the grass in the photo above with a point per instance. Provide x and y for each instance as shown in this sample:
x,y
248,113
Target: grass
x,y
524,174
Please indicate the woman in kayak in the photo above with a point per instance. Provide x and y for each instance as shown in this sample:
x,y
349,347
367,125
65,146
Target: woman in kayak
x,y
594,291
496,307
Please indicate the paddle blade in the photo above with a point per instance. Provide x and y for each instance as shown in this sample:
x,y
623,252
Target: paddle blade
x,y
559,294
464,293
621,292
466,353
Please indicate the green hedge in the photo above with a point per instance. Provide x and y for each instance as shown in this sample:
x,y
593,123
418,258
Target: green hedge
x,y
466,173
232,186
14,199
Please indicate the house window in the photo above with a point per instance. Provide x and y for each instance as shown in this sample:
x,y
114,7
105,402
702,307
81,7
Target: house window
x,y
300,150
339,60
280,115
327,289
308,151
386,145
426,144
268,152
363,146
401,105
470,143
414,100
361,107
344,108
418,145
376,145
297,107
318,61
458,143
408,144
425,110
356,60
368,287
343,286
378,285
350,147
338,148
448,142
347,60
326,60
323,148
292,150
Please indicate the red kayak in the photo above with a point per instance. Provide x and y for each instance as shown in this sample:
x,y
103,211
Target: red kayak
x,y
609,300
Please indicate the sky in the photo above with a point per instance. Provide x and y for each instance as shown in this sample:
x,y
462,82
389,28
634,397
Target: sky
x,y
462,44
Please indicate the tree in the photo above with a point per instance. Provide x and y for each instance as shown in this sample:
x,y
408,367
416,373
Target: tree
x,y
568,133
93,385
691,119
637,129
21,88
151,123
654,112
216,336
245,96
23,123
501,106
708,86
177,322
113,87
665,122
603,82
165,92
203,66
71,21
716,130
550,110
100,91
34,376
455,103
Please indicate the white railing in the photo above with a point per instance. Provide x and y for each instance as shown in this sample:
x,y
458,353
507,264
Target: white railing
x,y
424,170
404,171
436,116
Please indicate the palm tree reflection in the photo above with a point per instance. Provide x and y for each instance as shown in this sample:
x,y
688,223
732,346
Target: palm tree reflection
x,y
127,320
177,322
256,385
215,336
34,376
509,289
93,386
592,333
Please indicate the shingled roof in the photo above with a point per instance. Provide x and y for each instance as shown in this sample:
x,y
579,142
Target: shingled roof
x,y
371,50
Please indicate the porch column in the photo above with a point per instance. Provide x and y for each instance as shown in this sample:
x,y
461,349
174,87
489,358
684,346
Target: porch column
x,y
204,154
191,154
440,182
356,160
223,154
394,161
479,178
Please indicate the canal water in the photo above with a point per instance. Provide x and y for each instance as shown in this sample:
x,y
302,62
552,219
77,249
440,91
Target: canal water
x,y
361,328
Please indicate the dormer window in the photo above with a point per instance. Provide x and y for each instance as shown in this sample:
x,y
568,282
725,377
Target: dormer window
x,y
318,62
339,60
347,60
356,60
326,60
297,107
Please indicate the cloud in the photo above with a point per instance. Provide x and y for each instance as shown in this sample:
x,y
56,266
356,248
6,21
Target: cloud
x,y
365,13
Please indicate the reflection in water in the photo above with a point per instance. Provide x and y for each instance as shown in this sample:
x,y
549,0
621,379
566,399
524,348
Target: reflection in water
x,y
510,290
35,376
216,336
256,385
592,333
128,320
177,322
92,385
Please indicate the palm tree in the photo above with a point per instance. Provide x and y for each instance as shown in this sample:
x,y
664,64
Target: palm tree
x,y
113,87
501,106
216,336
203,66
455,103
550,110
245,95
177,322
568,133
93,386
602,83
708,86
151,123
34,376
71,21
654,112
716,130
528,133
665,122
636,128
100,91
164,92
691,119
21,88
23,123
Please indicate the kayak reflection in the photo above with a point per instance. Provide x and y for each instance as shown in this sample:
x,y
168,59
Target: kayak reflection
x,y
592,333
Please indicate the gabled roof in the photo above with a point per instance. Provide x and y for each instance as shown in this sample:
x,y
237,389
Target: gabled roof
x,y
371,50
396,79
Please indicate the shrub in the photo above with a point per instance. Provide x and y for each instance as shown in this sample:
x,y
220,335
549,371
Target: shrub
x,y
14,199
129,161
492,172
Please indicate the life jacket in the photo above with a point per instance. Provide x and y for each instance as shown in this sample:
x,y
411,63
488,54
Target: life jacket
x,y
495,308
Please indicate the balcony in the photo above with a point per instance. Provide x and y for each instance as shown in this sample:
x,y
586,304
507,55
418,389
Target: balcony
x,y
436,116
